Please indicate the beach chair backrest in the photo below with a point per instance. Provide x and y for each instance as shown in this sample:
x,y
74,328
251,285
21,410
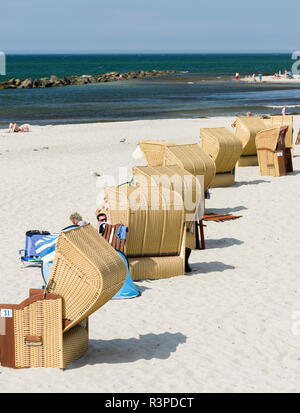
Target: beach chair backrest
x,y
179,180
86,272
223,146
282,121
246,129
192,158
31,238
155,219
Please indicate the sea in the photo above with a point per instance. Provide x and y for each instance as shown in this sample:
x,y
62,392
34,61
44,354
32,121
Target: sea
x,y
204,86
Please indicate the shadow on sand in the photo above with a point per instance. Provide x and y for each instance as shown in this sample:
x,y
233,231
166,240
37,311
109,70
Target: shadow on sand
x,y
256,182
225,210
294,173
222,242
146,347
206,267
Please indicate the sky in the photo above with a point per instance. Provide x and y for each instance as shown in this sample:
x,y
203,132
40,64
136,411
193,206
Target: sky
x,y
148,26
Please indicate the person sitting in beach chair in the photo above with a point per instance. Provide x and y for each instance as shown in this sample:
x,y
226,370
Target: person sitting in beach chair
x,y
76,219
102,220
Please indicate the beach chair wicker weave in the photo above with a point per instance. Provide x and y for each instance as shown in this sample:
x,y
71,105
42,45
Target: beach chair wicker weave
x,y
50,328
190,157
282,121
33,334
246,129
225,149
179,180
86,272
273,157
157,232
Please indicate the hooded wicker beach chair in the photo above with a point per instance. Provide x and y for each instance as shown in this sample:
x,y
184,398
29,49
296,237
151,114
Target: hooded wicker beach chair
x,y
155,243
273,157
246,129
183,182
282,121
225,149
190,157
177,179
50,328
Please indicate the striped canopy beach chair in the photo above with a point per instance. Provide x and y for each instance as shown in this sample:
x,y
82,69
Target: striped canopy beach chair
x,y
29,255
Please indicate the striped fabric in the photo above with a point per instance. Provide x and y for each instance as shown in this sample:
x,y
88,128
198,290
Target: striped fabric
x,y
45,247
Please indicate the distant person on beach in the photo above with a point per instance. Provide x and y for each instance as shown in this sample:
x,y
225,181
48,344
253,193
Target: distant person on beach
x,y
237,76
76,219
248,114
253,77
13,127
260,77
283,112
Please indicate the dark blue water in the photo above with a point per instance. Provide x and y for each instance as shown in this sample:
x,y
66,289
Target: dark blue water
x,y
204,87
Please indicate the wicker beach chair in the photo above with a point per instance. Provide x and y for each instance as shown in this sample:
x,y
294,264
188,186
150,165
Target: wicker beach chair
x,y
186,184
225,149
282,121
50,328
155,244
179,180
190,157
273,157
246,129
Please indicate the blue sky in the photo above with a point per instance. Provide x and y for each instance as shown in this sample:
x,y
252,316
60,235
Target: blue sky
x,y
149,26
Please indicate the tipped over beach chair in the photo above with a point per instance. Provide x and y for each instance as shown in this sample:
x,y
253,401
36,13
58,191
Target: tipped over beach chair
x,y
274,157
50,328
246,129
155,243
225,149
190,157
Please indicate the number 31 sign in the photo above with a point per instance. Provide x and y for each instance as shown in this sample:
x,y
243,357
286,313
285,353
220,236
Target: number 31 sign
x,y
5,313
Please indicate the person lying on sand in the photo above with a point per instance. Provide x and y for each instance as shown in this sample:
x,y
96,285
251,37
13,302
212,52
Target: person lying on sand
x,y
13,127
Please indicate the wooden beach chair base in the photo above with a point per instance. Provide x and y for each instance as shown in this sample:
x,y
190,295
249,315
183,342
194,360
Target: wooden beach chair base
x,y
222,180
32,333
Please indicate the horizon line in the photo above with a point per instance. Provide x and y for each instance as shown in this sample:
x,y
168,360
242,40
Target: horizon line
x,y
39,52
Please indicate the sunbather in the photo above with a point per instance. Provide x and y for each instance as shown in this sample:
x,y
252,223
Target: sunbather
x,y
13,127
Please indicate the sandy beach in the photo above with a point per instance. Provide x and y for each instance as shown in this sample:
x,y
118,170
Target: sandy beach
x,y
272,79
228,326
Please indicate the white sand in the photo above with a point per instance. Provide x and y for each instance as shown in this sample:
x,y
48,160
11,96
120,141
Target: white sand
x,y
226,327
272,79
